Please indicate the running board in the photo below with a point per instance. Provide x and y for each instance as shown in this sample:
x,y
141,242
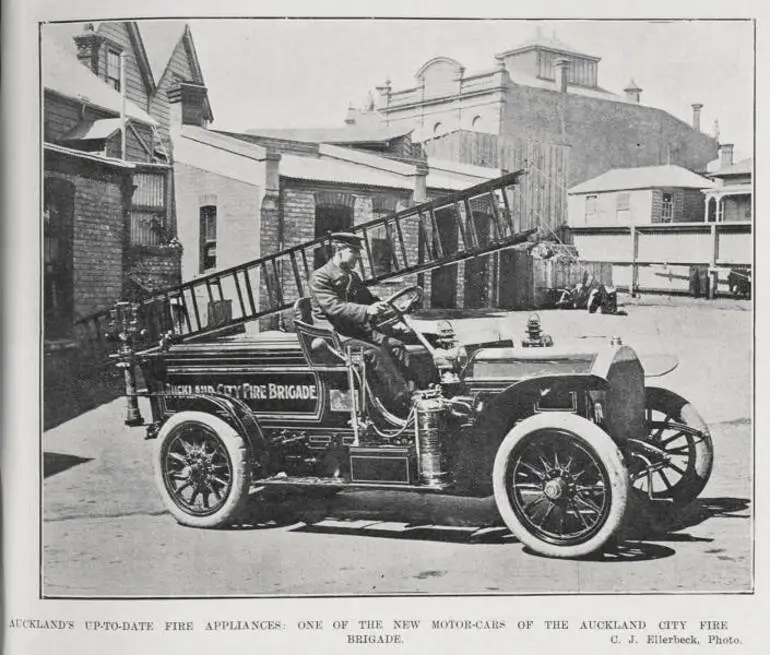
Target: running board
x,y
340,484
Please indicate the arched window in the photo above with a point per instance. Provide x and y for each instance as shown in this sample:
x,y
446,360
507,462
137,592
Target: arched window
x,y
436,128
476,123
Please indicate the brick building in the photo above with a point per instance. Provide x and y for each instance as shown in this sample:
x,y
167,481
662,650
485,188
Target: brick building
x,y
108,199
548,92
242,196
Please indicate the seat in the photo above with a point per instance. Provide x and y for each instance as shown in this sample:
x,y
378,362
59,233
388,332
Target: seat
x,y
322,347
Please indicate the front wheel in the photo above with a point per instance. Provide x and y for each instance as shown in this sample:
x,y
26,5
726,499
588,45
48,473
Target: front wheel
x,y
560,485
202,470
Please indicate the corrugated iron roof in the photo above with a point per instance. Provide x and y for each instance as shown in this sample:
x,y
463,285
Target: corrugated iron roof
x,y
65,75
223,142
87,130
348,134
453,176
326,169
643,177
111,161
742,167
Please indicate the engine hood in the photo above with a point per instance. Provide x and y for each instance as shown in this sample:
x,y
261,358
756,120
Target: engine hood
x,y
515,364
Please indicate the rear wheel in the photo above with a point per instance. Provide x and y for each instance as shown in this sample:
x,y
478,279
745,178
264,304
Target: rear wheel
x,y
681,436
560,485
202,470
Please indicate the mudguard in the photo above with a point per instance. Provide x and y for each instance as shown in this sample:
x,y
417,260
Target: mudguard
x,y
474,454
231,410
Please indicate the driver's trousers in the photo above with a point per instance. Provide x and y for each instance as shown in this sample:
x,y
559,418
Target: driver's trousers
x,y
388,367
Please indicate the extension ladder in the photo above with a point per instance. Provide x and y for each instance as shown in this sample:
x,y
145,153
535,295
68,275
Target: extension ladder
x,y
418,239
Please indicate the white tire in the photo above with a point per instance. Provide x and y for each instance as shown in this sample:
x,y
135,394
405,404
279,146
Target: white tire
x,y
560,484
202,470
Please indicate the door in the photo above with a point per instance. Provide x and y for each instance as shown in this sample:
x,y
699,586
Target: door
x,y
58,299
329,218
478,270
443,287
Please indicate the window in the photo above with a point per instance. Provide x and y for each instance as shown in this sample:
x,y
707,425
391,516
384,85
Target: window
x,y
623,206
148,210
436,128
208,238
476,123
545,65
667,208
113,68
591,206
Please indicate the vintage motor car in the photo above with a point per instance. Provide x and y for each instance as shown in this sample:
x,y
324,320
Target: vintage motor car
x,y
559,436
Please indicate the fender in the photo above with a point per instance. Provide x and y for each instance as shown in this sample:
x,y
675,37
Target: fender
x,y
231,410
475,453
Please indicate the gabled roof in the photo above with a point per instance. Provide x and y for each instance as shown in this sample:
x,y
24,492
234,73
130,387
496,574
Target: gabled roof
x,y
160,38
65,75
540,41
643,177
337,135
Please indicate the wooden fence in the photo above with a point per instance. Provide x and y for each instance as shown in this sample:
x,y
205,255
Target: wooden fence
x,y
662,257
541,198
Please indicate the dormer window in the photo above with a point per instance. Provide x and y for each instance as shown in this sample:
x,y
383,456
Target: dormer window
x,y
113,69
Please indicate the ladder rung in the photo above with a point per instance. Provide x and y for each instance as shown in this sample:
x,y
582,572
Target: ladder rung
x,y
194,301
278,283
295,271
495,215
249,292
401,241
471,223
368,249
436,235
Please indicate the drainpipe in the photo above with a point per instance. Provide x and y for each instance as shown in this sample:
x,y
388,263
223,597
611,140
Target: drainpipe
x,y
123,105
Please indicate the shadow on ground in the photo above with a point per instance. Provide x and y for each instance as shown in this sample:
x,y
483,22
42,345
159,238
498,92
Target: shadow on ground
x,y
71,388
647,527
54,463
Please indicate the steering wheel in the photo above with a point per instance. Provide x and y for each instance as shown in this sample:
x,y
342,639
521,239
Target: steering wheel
x,y
399,303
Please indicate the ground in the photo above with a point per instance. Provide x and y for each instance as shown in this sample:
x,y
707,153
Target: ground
x,y
106,533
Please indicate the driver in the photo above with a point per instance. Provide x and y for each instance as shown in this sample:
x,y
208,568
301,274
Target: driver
x,y
341,301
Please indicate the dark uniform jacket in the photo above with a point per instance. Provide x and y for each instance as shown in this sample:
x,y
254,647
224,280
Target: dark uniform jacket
x,y
340,299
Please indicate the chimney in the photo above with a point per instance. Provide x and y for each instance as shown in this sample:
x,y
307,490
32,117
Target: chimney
x,y
188,105
350,117
725,155
562,67
696,107
421,171
633,92
89,44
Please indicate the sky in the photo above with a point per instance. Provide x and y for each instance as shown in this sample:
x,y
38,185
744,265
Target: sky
x,y
304,73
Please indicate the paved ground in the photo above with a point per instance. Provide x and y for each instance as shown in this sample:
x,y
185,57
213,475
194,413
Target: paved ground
x,y
105,532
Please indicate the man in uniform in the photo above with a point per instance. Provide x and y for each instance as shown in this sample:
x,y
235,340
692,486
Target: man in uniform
x,y
340,300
